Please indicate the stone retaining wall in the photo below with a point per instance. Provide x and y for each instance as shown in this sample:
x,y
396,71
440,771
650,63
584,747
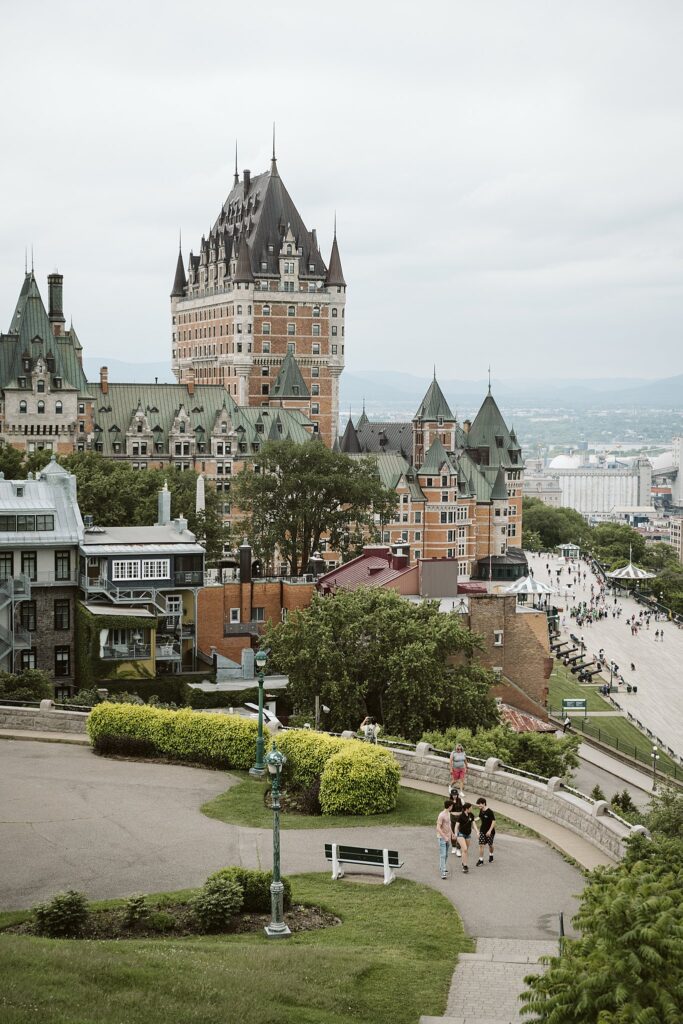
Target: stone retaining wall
x,y
46,718
545,798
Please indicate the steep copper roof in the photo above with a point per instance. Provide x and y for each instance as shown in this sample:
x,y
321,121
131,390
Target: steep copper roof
x,y
335,274
434,406
289,383
180,281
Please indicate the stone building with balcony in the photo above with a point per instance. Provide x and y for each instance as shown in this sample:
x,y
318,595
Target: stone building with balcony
x,y
258,291
40,532
139,592
459,487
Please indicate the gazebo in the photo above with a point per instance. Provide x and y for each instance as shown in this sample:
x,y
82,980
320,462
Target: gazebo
x,y
569,550
529,586
630,571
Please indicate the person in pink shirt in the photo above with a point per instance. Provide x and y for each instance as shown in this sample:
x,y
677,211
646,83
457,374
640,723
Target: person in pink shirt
x,y
444,834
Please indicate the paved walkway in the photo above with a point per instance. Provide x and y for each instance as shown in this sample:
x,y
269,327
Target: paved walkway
x,y
659,700
110,828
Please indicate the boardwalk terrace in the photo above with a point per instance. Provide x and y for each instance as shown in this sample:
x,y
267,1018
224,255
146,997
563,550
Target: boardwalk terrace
x,y
257,291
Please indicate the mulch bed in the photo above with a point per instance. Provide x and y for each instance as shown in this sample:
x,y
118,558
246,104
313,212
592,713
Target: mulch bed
x,y
176,919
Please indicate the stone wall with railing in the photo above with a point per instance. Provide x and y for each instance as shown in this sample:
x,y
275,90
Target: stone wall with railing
x,y
46,718
591,819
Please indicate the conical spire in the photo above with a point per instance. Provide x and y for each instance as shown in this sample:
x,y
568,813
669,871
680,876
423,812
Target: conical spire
x,y
335,274
434,406
236,177
273,160
289,383
180,281
349,442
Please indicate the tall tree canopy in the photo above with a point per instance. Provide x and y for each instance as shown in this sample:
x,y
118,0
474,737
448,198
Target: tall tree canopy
x,y
303,492
371,652
545,527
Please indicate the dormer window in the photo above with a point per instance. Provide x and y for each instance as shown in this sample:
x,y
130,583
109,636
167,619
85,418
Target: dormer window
x,y
499,441
311,268
139,428
21,382
181,427
27,364
40,387
57,383
289,250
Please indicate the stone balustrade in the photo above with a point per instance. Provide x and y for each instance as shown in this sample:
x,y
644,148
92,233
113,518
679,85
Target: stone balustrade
x,y
46,718
545,797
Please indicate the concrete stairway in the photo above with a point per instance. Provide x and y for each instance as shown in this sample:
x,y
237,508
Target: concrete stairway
x,y
487,984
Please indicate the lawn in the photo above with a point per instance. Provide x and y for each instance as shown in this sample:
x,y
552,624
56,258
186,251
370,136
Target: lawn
x,y
390,960
563,684
243,804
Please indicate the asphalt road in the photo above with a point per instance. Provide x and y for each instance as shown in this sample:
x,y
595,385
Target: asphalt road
x,y
70,819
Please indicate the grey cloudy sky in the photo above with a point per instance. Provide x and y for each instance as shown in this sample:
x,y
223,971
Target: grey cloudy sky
x,y
507,175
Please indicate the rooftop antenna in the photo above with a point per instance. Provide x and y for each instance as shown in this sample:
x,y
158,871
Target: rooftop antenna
x,y
273,162
180,239
237,176
489,378
31,259
26,259
434,371
335,223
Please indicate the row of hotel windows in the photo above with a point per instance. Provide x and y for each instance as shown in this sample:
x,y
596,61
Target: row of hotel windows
x,y
199,351
40,384
28,615
29,565
210,332
26,523
29,660
456,516
40,408
213,314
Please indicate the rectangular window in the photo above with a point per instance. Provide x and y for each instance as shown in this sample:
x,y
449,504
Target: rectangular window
x,y
266,347
45,523
27,615
316,330
258,614
29,659
63,613
156,568
461,548
29,566
291,347
291,330
334,350
62,661
462,569
512,529
498,638
234,615
315,409
6,565
315,371
444,495
443,517
125,569
8,524
334,331
62,565
418,517
26,524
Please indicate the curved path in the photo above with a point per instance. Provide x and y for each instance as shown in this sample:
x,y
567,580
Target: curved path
x,y
70,819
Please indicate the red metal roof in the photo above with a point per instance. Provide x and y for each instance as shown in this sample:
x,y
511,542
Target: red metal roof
x,y
364,571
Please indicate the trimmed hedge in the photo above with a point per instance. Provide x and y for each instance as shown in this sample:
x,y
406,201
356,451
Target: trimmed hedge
x,y
361,779
220,741
355,778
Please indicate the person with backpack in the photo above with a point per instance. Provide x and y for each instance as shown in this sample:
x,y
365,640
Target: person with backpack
x,y
370,729
458,765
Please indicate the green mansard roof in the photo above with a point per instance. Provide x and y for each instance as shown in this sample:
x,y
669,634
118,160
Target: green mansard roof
x,y
434,406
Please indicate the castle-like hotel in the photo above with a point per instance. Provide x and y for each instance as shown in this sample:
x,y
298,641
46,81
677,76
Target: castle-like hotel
x,y
257,350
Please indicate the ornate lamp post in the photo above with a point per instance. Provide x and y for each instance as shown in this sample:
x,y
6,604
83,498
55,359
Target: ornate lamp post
x,y
277,929
258,769
655,758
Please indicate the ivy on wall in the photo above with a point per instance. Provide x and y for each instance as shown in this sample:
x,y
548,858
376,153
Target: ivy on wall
x,y
90,668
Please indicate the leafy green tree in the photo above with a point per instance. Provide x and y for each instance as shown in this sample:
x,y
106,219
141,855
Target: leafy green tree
x,y
665,813
370,652
31,684
304,492
660,557
615,543
541,753
552,525
627,967
12,463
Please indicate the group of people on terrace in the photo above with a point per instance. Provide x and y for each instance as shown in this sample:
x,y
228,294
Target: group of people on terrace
x,y
456,823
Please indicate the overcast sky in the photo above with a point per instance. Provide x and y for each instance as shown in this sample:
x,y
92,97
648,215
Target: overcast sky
x,y
507,175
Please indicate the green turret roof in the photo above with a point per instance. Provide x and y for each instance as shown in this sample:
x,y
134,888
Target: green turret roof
x,y
434,406
489,431
499,491
436,457
289,382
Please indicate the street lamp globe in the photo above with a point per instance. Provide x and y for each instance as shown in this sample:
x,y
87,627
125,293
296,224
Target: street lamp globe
x,y
275,760
261,657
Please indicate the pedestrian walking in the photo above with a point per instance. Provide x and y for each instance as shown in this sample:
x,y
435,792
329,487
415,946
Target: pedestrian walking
x,y
458,765
456,809
465,821
444,834
369,728
487,830
656,635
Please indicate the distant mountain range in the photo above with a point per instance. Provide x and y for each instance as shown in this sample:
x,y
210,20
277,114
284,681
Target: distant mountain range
x,y
390,392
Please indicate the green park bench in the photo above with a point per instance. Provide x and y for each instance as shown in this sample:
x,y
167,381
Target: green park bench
x,y
361,855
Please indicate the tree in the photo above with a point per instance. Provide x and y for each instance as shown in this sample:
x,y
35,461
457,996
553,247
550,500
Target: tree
x,y
614,543
304,492
370,652
31,684
627,967
11,463
552,525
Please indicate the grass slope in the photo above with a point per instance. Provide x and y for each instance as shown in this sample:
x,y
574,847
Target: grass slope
x,y
390,960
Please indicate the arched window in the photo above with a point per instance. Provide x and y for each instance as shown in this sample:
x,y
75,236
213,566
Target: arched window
x,y
23,408
58,408
41,407
289,250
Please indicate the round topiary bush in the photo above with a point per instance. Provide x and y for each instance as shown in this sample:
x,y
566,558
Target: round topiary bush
x,y
255,886
360,779
217,902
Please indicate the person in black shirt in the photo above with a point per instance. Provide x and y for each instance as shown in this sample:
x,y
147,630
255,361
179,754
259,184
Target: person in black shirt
x,y
487,830
456,808
464,824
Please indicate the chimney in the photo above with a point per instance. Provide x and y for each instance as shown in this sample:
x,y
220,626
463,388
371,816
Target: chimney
x,y
245,561
164,506
180,523
246,181
399,561
189,379
466,426
55,284
104,380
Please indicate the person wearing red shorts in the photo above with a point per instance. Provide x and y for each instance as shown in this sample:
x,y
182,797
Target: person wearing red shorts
x,y
458,766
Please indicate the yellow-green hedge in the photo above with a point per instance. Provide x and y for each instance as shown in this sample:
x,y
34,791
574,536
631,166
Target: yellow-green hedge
x,y
356,778
360,779
221,741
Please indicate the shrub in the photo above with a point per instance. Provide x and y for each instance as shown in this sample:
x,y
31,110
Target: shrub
x,y
307,753
598,794
543,754
623,801
308,799
135,910
255,887
64,916
220,741
161,921
360,779
217,902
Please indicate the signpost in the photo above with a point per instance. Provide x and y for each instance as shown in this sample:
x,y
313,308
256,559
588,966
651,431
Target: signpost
x,y
574,704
